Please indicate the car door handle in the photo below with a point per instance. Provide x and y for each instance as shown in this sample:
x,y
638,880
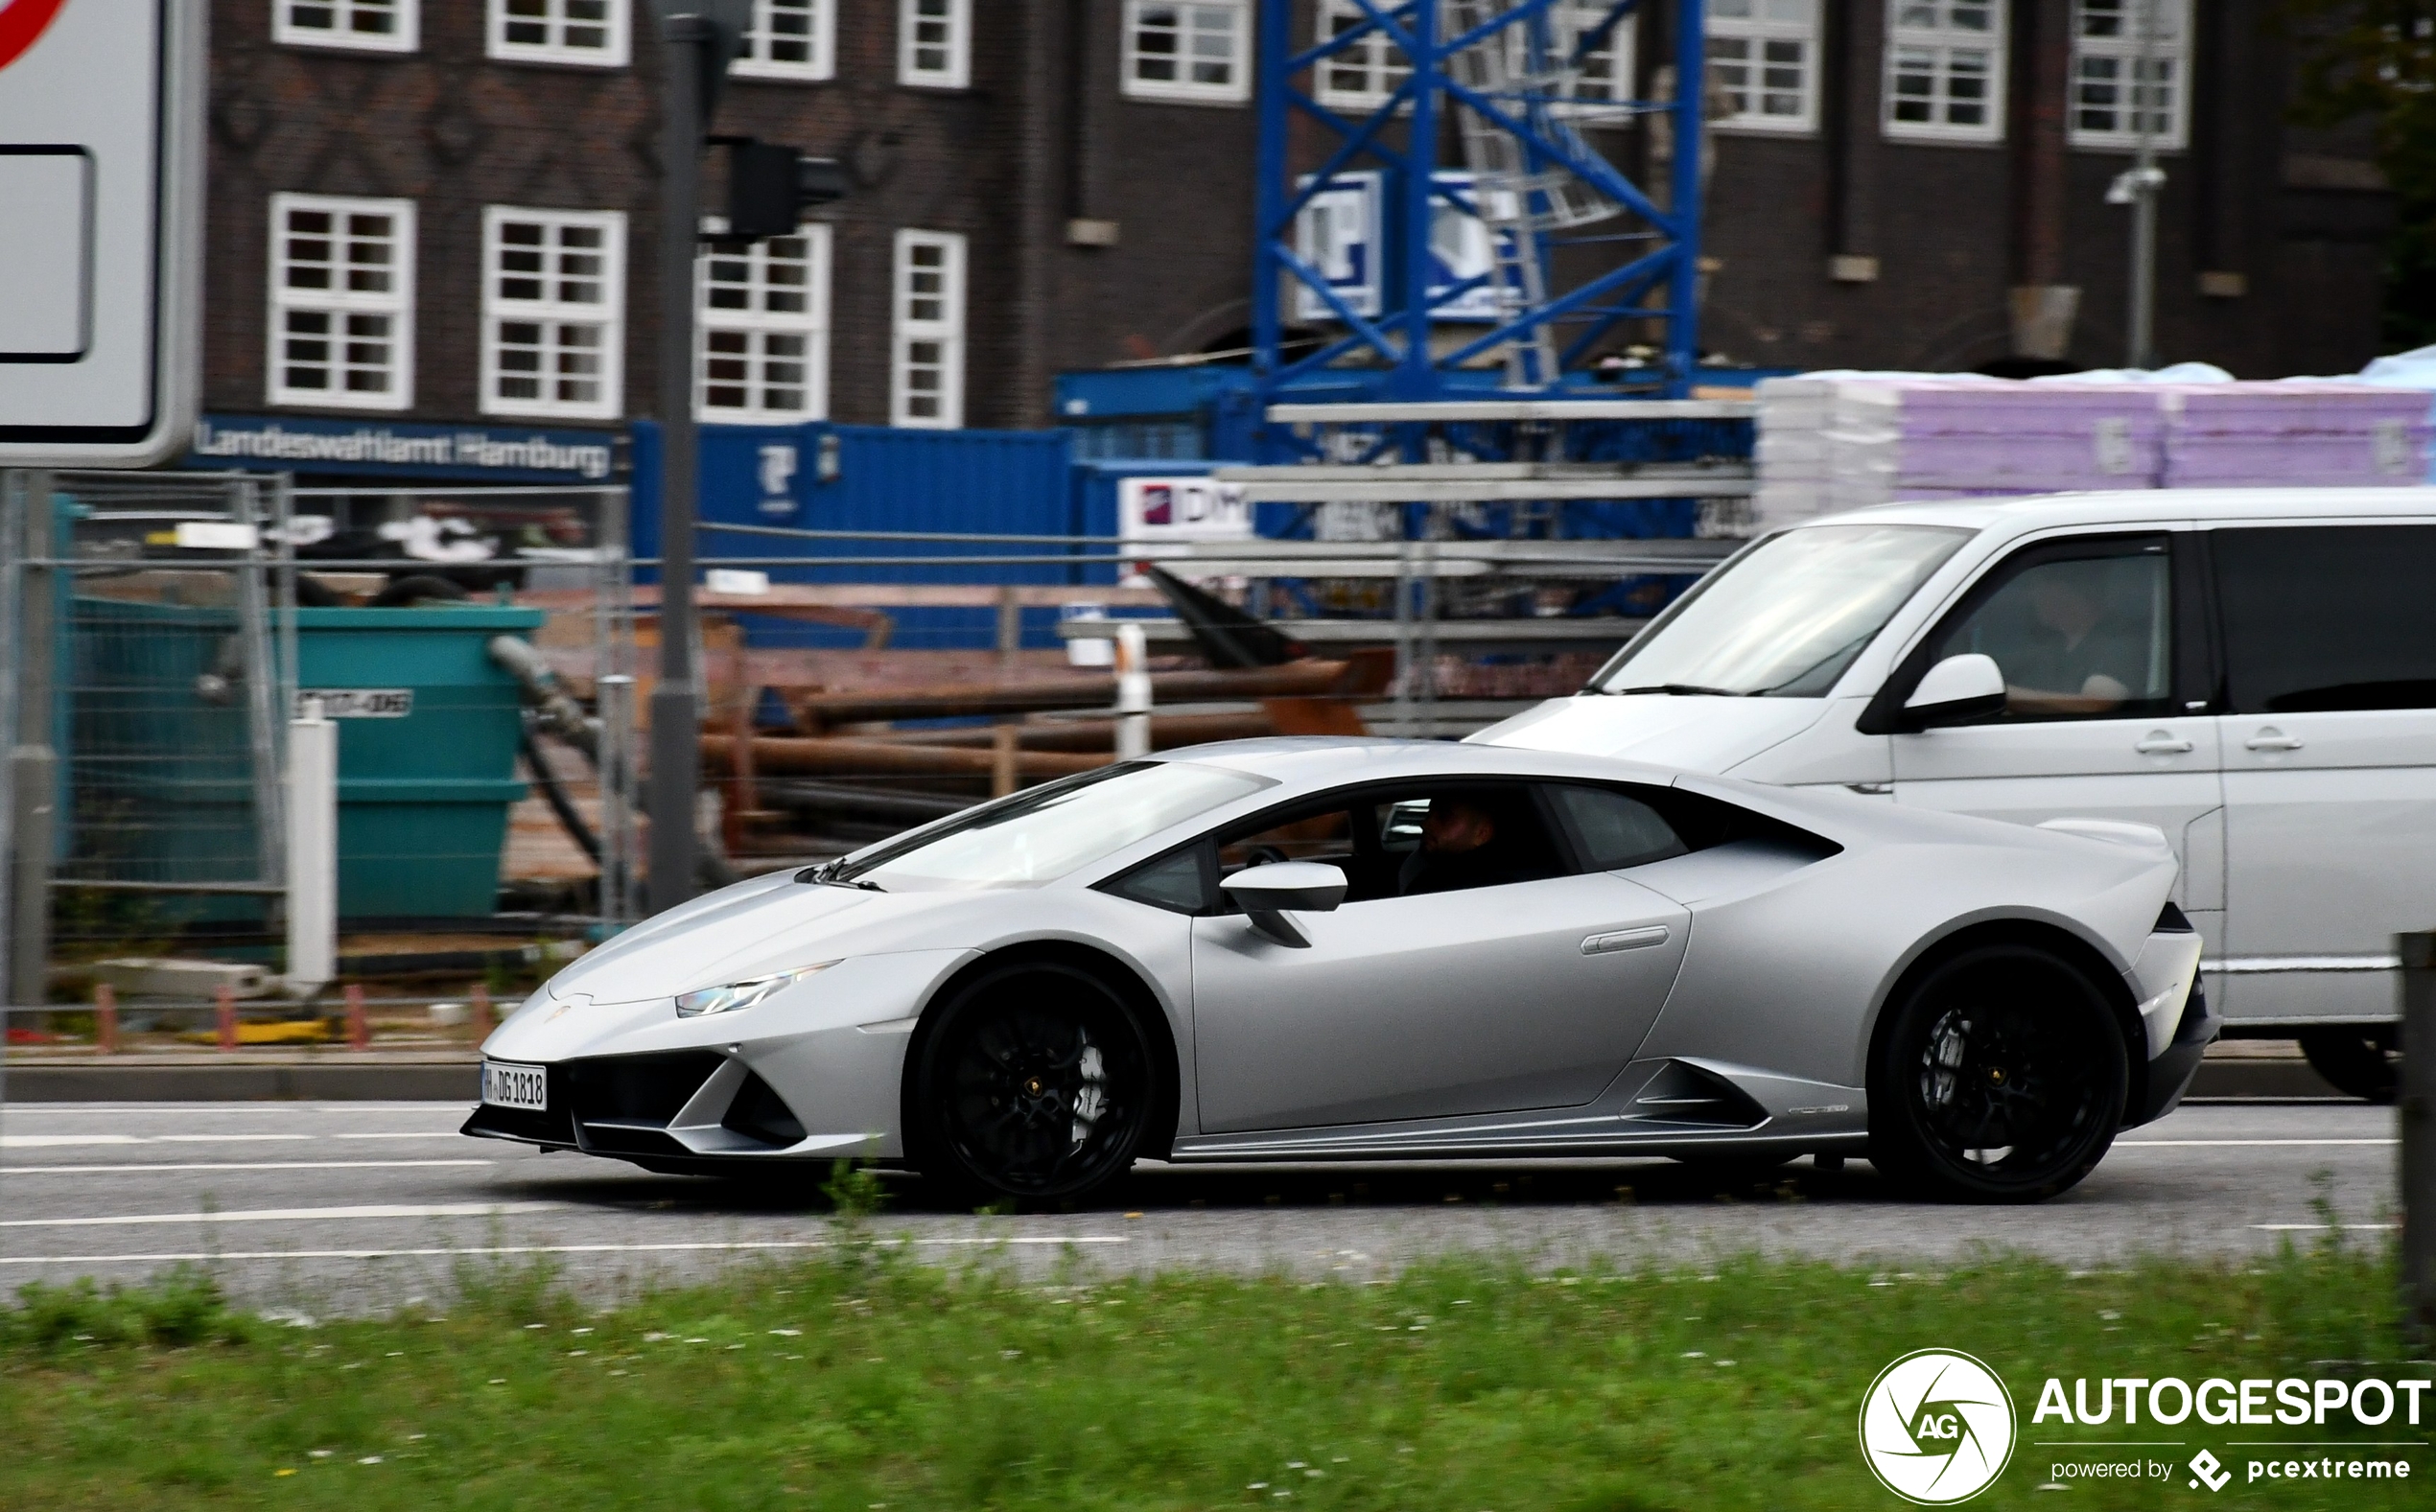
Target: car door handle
x,y
1625,940
2273,739
2162,742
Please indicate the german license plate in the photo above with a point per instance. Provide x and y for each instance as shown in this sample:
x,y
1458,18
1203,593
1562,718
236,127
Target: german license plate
x,y
506,1085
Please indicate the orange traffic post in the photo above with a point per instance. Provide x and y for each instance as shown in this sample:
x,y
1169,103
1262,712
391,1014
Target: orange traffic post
x,y
359,1029
224,1015
105,1019
482,1012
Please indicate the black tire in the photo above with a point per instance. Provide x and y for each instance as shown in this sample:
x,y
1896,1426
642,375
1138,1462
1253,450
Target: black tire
x,y
1034,1084
2001,1077
2366,1064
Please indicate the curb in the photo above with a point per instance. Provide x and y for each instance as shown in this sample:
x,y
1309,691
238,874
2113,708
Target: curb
x,y
460,1082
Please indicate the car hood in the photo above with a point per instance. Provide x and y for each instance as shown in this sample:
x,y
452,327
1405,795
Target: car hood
x,y
754,929
1693,734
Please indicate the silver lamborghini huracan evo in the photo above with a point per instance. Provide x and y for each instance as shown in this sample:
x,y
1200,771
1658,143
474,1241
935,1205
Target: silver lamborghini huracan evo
x,y
1368,950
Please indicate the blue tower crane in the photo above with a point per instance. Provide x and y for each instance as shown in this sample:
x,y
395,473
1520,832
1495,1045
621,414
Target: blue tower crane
x,y
1382,249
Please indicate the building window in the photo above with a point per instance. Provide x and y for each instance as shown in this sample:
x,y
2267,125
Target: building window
x,y
761,329
1596,77
1945,70
1763,58
341,302
1196,50
926,380
1366,72
553,312
380,25
789,39
2131,72
588,32
934,43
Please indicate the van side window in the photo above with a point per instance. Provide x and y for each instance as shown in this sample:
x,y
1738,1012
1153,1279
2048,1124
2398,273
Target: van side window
x,y
2080,633
2327,617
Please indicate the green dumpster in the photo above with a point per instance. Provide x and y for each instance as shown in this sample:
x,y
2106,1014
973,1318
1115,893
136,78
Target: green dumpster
x,y
427,727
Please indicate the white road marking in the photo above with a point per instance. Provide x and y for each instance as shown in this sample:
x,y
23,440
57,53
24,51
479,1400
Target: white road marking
x,y
537,1249
2191,1143
293,1214
47,1141
243,1165
54,1140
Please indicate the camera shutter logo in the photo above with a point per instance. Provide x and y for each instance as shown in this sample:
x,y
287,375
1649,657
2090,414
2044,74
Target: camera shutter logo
x,y
1938,1427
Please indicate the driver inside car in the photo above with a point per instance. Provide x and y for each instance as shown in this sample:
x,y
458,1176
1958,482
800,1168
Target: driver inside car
x,y
1459,848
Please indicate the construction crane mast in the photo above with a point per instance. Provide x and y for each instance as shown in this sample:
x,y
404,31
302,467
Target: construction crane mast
x,y
1418,276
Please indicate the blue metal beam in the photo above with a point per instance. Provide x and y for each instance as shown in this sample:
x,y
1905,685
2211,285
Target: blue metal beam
x,y
1399,338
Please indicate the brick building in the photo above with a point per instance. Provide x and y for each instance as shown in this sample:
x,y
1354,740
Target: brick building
x,y
441,210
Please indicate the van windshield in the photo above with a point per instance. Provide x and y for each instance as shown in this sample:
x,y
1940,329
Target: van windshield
x,y
1785,619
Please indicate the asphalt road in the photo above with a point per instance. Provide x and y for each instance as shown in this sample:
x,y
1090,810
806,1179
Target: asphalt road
x,y
360,1206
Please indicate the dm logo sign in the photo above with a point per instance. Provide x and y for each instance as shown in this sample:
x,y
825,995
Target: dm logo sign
x,y
1938,1427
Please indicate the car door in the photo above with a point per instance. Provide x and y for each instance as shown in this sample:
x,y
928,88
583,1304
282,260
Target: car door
x,y
1529,990
2330,741
2103,643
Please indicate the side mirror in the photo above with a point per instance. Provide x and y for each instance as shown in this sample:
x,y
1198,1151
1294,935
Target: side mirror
x,y
1266,891
1959,691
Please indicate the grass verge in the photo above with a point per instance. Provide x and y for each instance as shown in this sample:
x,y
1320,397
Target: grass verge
x,y
861,1383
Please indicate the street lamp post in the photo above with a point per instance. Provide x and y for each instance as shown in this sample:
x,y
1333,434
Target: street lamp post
x,y
2138,187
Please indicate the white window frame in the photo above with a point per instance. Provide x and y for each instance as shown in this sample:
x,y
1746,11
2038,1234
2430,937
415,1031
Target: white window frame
x,y
1237,88
1756,33
1573,17
1382,64
396,303
617,18
907,331
754,61
1942,42
958,72
757,322
2173,52
405,33
608,313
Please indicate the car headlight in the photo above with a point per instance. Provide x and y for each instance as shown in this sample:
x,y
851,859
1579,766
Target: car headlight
x,y
741,994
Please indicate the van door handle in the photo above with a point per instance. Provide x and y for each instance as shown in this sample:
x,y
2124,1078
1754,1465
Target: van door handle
x,y
2273,739
2162,742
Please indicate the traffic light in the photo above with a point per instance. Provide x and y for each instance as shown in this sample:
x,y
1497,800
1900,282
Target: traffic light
x,y
769,186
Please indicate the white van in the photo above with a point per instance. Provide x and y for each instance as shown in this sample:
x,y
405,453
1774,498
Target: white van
x,y
2253,671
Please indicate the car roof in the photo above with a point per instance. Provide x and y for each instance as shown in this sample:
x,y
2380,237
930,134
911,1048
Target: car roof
x,y
2145,505
1331,760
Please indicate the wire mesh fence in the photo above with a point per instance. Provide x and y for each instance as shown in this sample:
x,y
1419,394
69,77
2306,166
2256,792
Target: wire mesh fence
x,y
862,681
163,629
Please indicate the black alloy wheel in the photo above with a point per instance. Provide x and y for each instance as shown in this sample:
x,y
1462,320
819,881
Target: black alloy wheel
x,y
2002,1078
1034,1084
2366,1064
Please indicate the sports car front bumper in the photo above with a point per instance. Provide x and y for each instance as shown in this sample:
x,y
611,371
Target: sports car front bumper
x,y
813,1073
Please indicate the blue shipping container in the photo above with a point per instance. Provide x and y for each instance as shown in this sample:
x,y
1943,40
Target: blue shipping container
x,y
823,477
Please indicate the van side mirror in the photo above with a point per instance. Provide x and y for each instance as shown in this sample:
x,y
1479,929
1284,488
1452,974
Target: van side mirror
x,y
1266,891
1959,691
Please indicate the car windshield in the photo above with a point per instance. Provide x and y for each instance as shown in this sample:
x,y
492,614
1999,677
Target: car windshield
x,y
1785,617
1042,834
